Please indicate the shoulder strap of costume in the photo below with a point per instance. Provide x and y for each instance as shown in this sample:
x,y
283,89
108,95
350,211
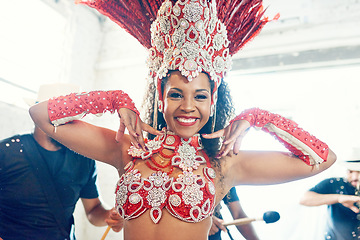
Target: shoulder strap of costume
x,y
41,171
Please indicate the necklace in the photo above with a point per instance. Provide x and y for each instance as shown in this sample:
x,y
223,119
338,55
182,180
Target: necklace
x,y
162,159
165,157
186,152
159,167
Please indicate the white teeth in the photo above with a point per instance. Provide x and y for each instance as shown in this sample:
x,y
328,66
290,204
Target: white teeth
x,y
186,120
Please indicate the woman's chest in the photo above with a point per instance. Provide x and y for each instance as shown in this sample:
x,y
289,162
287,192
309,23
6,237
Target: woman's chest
x,y
187,195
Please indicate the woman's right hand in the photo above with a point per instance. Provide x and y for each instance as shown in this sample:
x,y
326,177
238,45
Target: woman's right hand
x,y
135,126
233,135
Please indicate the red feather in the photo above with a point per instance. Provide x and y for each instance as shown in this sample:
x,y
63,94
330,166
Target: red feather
x,y
243,18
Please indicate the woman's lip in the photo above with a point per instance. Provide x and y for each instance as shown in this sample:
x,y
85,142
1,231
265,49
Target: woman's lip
x,y
186,117
186,123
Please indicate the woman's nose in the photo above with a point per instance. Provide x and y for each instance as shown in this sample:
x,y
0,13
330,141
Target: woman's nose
x,y
188,105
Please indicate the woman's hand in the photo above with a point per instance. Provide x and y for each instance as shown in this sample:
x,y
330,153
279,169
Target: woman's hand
x,y
130,120
233,135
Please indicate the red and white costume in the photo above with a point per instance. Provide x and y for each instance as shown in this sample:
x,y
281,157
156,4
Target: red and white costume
x,y
188,196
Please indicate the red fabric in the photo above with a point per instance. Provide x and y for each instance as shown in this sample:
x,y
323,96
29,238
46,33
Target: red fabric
x,y
187,196
95,102
259,118
170,187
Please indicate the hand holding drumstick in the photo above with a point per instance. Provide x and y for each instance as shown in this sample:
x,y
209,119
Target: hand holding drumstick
x,y
115,221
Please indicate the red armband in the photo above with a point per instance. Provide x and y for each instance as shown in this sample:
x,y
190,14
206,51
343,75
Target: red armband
x,y
301,143
74,106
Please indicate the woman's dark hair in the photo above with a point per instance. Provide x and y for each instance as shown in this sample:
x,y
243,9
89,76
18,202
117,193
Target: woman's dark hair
x,y
224,111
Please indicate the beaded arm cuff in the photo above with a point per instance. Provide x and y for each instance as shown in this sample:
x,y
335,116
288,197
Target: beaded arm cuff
x,y
74,106
302,144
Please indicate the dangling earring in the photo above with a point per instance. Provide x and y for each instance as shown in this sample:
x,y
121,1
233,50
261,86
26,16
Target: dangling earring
x,y
213,115
161,106
213,109
158,107
155,115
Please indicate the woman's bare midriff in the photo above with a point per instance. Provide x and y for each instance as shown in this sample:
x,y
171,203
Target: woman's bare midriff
x,y
168,228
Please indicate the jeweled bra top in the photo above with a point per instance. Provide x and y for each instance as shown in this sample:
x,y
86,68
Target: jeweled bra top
x,y
189,197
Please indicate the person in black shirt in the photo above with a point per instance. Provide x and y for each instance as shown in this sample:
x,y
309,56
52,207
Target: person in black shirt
x,y
25,212
232,201
341,197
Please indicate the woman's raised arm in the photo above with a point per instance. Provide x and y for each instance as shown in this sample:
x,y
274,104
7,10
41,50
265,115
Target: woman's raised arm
x,y
274,167
57,117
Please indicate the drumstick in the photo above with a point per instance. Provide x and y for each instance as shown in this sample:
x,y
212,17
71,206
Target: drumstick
x,y
268,217
105,233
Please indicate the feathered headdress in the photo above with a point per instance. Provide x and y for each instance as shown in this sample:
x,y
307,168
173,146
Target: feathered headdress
x,y
191,36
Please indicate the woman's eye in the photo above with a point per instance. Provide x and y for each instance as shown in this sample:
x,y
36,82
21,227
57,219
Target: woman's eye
x,y
201,97
175,95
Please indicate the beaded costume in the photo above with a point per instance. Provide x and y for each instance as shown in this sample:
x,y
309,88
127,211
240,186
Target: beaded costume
x,y
190,36
188,197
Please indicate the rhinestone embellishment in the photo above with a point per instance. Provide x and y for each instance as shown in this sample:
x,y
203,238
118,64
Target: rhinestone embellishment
x,y
187,159
189,197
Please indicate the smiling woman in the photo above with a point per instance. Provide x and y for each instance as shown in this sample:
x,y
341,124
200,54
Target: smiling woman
x,y
171,183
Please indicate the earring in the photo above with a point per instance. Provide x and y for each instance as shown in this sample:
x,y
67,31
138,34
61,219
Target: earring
x,y
212,110
213,115
161,106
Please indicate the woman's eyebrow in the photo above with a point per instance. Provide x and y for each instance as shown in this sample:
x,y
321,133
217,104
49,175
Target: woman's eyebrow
x,y
197,90
202,90
177,89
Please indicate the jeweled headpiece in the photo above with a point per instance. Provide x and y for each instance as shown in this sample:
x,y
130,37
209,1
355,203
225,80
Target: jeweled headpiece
x,y
191,36
188,36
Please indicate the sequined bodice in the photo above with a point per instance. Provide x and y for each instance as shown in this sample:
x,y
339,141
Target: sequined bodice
x,y
188,196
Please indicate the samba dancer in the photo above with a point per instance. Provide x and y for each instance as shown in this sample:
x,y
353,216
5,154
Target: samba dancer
x,y
169,185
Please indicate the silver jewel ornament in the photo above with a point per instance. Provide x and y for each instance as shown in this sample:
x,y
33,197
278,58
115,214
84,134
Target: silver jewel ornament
x,y
187,158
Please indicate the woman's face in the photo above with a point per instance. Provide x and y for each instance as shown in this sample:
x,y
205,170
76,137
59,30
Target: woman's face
x,y
186,104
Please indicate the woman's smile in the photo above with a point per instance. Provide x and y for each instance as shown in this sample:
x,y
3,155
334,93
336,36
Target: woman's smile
x,y
186,120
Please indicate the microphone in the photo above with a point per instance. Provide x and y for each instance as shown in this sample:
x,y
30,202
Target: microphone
x,y
268,217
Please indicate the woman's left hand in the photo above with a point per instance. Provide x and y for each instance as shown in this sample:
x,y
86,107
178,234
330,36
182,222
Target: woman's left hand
x,y
130,120
233,135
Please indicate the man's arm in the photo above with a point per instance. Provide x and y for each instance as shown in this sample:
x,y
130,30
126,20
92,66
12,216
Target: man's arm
x,y
311,198
99,216
246,230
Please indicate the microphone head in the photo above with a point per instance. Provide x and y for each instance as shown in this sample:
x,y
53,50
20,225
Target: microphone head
x,y
271,216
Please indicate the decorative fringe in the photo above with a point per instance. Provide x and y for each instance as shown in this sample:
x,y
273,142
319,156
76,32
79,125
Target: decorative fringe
x,y
243,18
135,16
